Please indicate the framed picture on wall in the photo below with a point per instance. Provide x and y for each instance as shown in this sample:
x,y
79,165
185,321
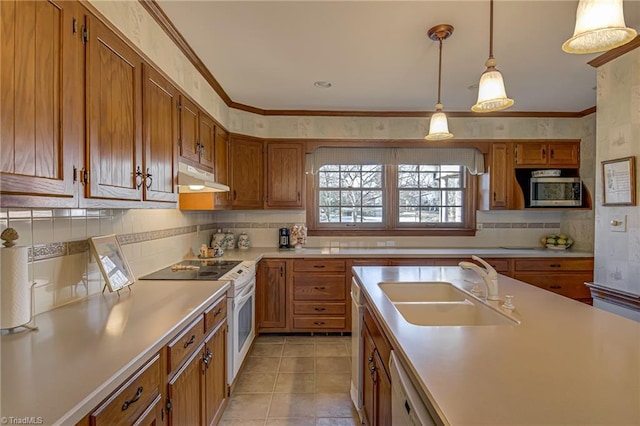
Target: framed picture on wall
x,y
113,265
619,182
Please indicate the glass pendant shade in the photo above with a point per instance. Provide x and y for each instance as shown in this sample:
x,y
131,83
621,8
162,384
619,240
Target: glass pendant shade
x,y
599,27
438,126
492,95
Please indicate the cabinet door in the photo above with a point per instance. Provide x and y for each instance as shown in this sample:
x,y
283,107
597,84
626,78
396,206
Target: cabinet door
x,y
246,173
532,154
189,124
285,175
221,169
215,389
271,300
500,176
160,137
368,378
153,415
185,391
42,105
206,136
114,146
564,154
383,393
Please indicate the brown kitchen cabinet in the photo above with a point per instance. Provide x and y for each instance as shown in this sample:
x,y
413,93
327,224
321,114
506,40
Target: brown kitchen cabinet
x,y
42,91
185,392
221,170
565,277
215,375
548,154
501,177
197,135
376,381
271,296
284,175
319,296
246,168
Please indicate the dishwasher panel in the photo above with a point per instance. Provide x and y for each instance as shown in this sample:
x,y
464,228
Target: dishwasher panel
x,y
407,409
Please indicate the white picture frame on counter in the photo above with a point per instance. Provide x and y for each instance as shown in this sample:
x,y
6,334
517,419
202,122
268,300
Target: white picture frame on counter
x,y
618,182
113,264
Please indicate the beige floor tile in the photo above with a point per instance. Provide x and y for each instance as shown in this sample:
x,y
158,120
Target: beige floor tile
x,y
334,405
295,383
333,382
285,405
249,382
309,421
333,364
247,407
240,422
331,349
267,350
261,365
298,349
336,421
300,340
333,339
297,365
269,339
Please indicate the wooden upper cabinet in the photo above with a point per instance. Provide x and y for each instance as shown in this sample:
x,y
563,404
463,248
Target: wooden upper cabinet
x,y
285,175
42,104
207,133
160,137
114,111
500,176
246,172
221,169
189,126
552,154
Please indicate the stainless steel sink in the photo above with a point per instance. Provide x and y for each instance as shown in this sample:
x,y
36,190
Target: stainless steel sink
x,y
425,291
465,313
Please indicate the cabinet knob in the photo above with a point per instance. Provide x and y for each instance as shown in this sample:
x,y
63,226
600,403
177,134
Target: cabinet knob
x,y
217,312
190,341
150,177
319,309
139,177
318,322
320,288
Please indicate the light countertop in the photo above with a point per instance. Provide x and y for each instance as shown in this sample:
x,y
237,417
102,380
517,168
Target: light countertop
x,y
565,363
83,351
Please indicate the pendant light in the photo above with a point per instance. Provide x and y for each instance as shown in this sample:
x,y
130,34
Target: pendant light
x,y
438,126
599,26
492,95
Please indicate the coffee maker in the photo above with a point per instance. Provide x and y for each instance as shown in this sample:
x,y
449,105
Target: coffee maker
x,y
285,238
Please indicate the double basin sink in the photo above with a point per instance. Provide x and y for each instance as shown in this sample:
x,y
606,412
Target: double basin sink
x,y
441,304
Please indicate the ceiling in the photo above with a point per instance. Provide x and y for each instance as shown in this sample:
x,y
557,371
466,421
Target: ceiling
x,y
377,56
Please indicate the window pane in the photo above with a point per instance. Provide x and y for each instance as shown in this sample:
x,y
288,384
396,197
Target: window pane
x,y
454,198
349,214
409,198
372,214
371,180
351,198
451,180
372,168
409,215
408,180
350,179
372,198
431,198
429,180
451,214
329,214
329,179
330,168
430,214
329,198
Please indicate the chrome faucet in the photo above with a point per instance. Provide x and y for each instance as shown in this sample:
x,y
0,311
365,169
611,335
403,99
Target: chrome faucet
x,y
488,274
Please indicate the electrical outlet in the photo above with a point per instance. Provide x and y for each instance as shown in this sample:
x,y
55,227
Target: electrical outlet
x,y
618,223
479,227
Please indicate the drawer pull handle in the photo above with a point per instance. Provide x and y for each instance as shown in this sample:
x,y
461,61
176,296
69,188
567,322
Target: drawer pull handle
x,y
319,309
318,266
217,312
136,397
190,341
318,322
555,287
555,265
319,287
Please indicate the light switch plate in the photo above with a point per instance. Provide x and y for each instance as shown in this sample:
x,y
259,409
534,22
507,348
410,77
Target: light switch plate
x,y
618,223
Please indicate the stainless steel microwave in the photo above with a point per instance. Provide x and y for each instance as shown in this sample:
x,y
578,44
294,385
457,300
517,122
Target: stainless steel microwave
x,y
555,192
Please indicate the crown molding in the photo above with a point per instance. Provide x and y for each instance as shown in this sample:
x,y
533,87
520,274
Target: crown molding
x,y
156,12
615,53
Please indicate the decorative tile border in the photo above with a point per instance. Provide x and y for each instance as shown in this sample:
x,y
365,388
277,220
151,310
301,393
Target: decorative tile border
x,y
48,251
519,225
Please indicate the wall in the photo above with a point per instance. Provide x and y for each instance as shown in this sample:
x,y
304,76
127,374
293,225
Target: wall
x,y
617,255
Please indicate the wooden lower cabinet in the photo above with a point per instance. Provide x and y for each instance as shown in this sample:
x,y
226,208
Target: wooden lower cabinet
x,y
186,392
271,296
153,415
565,277
376,391
215,380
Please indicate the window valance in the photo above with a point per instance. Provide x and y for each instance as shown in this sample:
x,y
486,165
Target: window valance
x,y
471,158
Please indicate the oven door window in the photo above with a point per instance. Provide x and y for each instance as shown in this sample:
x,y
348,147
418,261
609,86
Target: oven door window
x,y
245,322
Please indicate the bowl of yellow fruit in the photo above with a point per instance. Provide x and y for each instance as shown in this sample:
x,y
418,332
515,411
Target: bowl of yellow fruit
x,y
557,241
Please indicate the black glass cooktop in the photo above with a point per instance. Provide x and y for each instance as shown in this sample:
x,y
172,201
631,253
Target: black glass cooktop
x,y
203,270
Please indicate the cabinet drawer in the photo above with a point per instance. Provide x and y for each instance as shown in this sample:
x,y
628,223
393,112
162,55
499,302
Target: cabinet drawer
x,y
310,265
500,265
327,287
131,400
567,284
215,314
554,264
182,346
313,308
411,262
318,323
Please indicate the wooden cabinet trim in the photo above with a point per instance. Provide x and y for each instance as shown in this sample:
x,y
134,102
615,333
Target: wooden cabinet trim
x,y
185,343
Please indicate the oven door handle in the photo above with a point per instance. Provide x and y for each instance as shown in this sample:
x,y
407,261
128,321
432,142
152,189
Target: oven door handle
x,y
246,295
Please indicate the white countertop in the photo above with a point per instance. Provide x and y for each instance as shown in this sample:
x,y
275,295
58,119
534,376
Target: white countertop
x,y
83,351
565,363
257,253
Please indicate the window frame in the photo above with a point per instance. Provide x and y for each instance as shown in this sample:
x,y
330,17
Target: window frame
x,y
391,226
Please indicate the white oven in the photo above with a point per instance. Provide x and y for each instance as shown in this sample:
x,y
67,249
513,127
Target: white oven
x,y
242,310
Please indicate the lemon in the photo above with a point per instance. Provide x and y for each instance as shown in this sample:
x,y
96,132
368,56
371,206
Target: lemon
x,y
551,241
561,241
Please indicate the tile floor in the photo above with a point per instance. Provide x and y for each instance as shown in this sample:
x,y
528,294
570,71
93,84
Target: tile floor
x,y
294,380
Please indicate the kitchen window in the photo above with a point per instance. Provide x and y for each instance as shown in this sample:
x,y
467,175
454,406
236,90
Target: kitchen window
x,y
396,196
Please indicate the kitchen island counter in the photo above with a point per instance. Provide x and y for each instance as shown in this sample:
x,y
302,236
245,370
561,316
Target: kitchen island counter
x,y
564,363
83,351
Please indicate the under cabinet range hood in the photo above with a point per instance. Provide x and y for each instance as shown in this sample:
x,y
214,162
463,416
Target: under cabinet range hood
x,y
194,180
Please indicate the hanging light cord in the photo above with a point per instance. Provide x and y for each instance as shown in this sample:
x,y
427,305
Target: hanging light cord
x,y
439,69
491,29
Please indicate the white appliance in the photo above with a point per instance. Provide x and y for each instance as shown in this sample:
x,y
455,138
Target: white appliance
x,y
192,179
241,306
407,407
357,320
